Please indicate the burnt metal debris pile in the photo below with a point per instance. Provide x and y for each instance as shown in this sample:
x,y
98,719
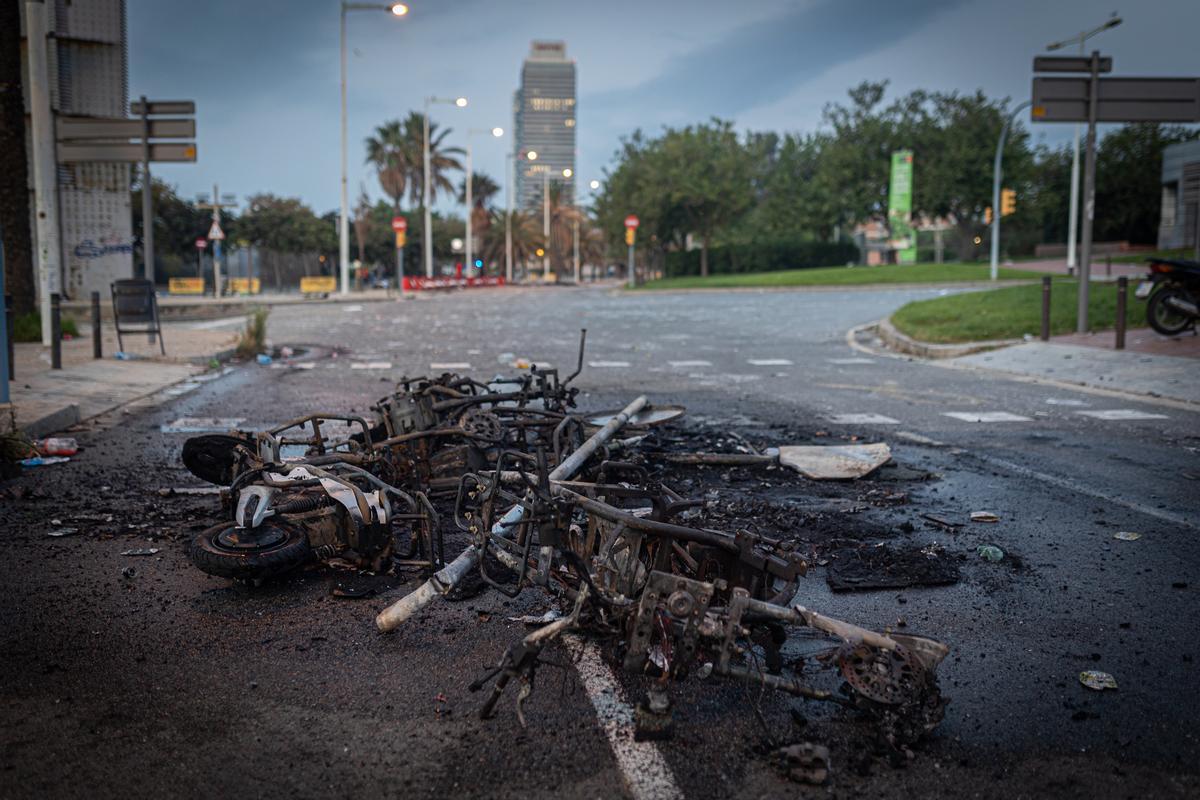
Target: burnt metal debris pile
x,y
557,502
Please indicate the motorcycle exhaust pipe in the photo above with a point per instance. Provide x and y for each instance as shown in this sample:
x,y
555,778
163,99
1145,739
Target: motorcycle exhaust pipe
x,y
1177,303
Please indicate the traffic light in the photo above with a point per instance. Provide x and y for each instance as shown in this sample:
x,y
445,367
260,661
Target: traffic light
x,y
987,216
1008,202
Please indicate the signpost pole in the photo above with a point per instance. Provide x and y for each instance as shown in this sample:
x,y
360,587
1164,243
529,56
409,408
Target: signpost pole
x,y
1089,197
629,269
216,215
147,196
45,162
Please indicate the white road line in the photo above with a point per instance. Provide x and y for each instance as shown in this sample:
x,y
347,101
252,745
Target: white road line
x,y
986,416
1113,414
769,362
216,323
202,424
850,360
455,365
605,364
682,364
862,419
371,365
917,438
647,774
1064,401
1108,497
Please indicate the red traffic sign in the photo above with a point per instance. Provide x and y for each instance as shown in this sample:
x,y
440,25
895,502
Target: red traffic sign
x,y
399,224
631,221
201,243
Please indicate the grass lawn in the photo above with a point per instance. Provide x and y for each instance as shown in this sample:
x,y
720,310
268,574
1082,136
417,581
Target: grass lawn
x,y
1011,312
843,276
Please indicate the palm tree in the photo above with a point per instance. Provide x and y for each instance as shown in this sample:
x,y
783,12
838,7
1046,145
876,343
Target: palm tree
x,y
563,215
483,189
390,151
441,158
526,237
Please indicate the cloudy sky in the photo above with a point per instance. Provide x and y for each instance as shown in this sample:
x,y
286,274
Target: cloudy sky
x,y
264,73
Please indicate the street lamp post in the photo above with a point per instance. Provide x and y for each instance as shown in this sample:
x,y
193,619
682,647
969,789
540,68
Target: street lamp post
x,y
427,229
496,132
396,9
1073,222
997,174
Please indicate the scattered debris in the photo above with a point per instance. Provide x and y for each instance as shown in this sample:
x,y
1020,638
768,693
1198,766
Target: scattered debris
x,y
1095,679
62,532
1127,536
984,516
882,567
803,763
950,527
141,551
989,552
42,461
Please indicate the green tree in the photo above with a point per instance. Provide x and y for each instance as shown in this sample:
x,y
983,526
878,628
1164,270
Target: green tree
x,y
177,225
391,151
1129,180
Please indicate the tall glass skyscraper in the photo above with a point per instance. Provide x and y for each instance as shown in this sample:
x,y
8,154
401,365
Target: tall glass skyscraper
x,y
544,121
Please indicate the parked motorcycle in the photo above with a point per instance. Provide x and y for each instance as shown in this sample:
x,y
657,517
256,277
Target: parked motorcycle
x,y
1173,289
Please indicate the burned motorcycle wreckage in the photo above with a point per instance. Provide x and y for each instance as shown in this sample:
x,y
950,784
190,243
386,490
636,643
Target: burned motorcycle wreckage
x,y
568,505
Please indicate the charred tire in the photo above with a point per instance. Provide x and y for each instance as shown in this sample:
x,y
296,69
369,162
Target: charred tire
x,y
213,457
274,548
1162,317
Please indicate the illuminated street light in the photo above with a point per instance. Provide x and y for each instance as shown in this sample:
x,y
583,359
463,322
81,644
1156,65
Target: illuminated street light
x,y
595,184
497,132
399,10
531,155
426,231
461,102
567,172
469,185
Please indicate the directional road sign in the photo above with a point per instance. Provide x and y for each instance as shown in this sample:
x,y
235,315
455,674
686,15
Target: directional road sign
x,y
158,107
122,151
1119,99
1069,64
99,128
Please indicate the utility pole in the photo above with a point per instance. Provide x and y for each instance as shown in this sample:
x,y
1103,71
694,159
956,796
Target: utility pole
x,y
147,197
45,163
508,248
1089,197
216,205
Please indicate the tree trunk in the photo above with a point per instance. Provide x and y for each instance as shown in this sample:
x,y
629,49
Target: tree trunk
x,y
15,218
704,256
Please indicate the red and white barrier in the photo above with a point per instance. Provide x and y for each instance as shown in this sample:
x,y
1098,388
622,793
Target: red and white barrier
x,y
414,283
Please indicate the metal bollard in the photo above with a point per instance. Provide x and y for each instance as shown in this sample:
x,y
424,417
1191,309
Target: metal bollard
x,y
1045,308
55,331
1108,266
1122,294
97,345
8,323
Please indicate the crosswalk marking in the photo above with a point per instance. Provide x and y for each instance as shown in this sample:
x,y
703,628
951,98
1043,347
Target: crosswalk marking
x,y
769,362
855,360
454,365
863,419
1063,401
986,416
604,364
1121,414
202,424
696,363
371,365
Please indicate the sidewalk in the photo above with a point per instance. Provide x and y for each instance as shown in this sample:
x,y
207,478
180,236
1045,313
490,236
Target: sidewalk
x,y
1174,377
45,401
1100,269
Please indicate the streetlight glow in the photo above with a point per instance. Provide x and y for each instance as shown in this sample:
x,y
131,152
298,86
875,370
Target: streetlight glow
x,y
461,102
497,132
567,172
595,184
399,9
531,155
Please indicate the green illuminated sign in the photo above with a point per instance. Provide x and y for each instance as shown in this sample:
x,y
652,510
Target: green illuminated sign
x,y
903,238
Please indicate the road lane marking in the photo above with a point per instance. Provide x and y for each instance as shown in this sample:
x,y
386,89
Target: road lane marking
x,y
850,360
451,365
1099,494
371,365
986,416
862,419
1114,414
1063,401
202,424
646,772
917,438
607,364
682,364
769,362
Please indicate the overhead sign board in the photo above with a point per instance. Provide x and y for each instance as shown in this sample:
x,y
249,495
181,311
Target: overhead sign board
x,y
100,128
124,151
157,107
1119,99
1069,64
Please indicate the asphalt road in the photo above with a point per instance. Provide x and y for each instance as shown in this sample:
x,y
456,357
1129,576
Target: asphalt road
x,y
172,683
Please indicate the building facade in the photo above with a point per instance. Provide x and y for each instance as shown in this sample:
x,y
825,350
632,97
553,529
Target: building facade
x,y
89,76
1179,224
544,122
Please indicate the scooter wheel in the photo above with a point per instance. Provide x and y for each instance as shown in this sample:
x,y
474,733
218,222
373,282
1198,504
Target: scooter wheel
x,y
250,554
1162,317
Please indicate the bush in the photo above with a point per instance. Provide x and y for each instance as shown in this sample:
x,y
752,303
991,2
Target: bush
x,y
28,327
254,337
764,256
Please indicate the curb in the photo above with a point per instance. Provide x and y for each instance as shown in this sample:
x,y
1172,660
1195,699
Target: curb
x,y
903,343
55,421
